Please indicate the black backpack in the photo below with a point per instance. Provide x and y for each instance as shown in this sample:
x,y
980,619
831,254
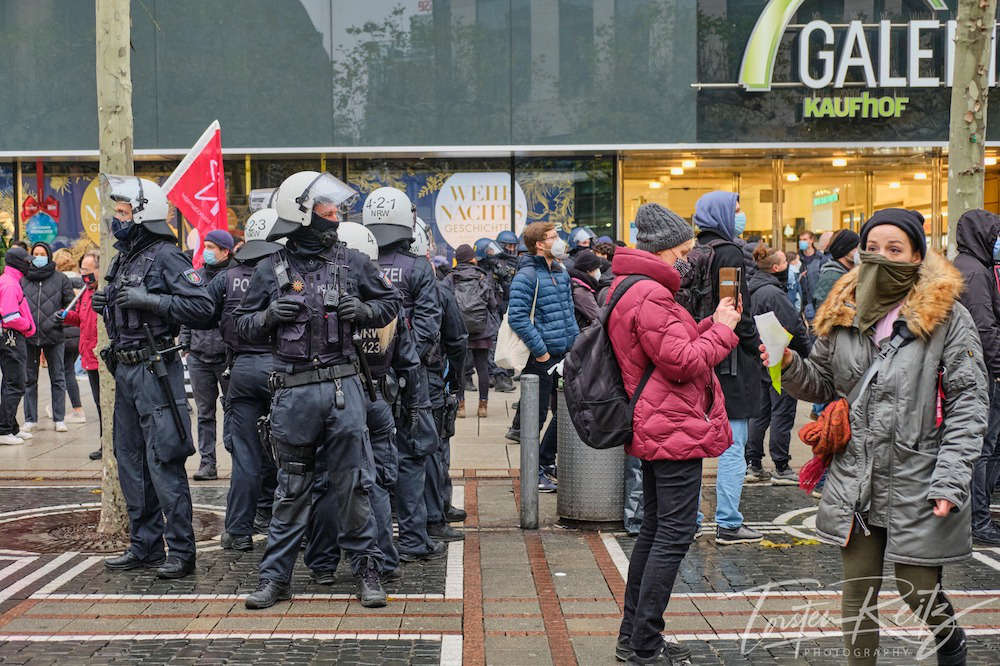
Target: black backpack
x,y
696,292
473,296
598,405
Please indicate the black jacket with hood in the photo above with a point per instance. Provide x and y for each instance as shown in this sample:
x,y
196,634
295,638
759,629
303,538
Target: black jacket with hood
x,y
47,291
715,215
976,232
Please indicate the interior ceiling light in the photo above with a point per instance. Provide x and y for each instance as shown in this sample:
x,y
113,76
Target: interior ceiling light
x,y
655,184
839,162
688,164
894,185
792,177
990,161
676,171
920,175
664,179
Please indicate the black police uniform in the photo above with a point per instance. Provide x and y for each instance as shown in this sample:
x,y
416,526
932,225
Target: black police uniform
x,y
392,371
148,446
445,378
248,398
207,369
416,436
318,409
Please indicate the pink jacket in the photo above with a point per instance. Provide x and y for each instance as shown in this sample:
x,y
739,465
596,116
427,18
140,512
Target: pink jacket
x,y
681,414
13,306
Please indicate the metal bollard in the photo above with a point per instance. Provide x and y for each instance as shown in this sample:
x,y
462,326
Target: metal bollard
x,y
529,452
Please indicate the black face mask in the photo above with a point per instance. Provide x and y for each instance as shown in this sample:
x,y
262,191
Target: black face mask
x,y
310,241
89,279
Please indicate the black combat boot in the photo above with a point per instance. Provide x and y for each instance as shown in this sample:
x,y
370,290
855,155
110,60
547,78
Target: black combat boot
x,y
952,648
268,593
176,568
128,560
233,542
370,585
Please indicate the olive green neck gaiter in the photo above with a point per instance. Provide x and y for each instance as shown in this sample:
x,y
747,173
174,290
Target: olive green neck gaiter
x,y
882,284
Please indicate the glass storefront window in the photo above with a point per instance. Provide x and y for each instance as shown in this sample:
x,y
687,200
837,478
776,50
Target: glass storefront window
x,y
7,208
571,192
58,202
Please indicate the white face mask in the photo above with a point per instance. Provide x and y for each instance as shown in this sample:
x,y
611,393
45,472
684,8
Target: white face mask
x,y
856,257
559,249
596,273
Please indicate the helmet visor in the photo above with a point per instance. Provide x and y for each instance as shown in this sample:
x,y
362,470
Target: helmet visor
x,y
329,194
492,249
124,189
260,199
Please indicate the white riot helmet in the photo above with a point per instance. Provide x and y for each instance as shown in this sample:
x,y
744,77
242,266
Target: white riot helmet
x,y
149,203
390,215
255,234
301,192
358,237
422,239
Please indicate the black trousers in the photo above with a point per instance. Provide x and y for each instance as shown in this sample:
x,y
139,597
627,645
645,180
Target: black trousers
x,y
481,361
986,468
778,413
70,354
13,364
671,489
546,402
94,377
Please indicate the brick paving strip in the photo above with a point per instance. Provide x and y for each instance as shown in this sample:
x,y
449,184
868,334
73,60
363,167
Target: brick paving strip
x,y
555,624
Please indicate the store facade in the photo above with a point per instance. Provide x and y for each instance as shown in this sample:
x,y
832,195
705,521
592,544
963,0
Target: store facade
x,y
495,113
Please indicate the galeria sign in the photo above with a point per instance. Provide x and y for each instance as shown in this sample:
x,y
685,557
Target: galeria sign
x,y
869,53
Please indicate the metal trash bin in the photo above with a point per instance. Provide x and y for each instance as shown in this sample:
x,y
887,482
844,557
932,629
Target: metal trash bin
x,y
591,481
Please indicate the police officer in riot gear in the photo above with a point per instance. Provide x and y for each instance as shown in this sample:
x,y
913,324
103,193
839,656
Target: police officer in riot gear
x,y
492,258
152,290
310,297
508,242
445,378
251,488
391,217
581,238
392,360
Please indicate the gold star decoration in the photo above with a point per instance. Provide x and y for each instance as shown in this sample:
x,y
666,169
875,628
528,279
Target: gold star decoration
x,y
298,286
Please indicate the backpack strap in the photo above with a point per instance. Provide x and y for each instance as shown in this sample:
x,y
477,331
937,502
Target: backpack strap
x,y
616,296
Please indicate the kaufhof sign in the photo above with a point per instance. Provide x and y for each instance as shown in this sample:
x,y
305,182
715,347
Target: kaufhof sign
x,y
866,52
470,206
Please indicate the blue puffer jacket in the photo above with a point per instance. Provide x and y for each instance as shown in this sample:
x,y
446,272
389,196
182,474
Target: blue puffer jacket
x,y
554,327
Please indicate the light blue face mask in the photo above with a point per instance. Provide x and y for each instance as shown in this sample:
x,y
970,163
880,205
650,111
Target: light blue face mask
x,y
40,261
803,245
209,257
740,222
996,250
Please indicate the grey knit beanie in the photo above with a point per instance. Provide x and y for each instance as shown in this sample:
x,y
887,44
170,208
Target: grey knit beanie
x,y
659,229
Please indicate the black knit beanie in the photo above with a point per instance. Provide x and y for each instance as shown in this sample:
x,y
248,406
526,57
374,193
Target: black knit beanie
x,y
910,221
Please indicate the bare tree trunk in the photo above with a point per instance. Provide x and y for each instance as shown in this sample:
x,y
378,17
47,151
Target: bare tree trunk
x,y
967,130
114,114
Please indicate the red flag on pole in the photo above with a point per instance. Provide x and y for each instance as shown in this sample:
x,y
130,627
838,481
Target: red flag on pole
x,y
198,187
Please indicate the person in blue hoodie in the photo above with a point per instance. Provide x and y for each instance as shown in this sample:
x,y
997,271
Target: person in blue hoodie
x,y
718,218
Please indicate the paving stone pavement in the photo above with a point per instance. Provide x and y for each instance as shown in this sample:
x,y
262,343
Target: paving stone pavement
x,y
503,596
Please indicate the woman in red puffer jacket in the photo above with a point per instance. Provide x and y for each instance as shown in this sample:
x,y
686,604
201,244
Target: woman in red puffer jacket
x,y
84,316
679,419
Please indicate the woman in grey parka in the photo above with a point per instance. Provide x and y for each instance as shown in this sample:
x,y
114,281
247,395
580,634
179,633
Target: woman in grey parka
x,y
899,492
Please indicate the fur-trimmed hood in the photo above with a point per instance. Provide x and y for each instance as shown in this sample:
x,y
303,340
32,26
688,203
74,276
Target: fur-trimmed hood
x,y
927,305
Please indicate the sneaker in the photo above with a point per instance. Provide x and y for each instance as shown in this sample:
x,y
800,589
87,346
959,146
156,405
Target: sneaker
x,y
438,551
513,434
76,417
28,426
545,484
206,472
504,384
444,532
24,434
61,426
550,471
784,477
727,536
990,536
10,440
757,474
95,455
678,652
455,515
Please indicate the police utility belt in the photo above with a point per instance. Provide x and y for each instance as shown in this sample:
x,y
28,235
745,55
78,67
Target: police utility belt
x,y
141,354
330,373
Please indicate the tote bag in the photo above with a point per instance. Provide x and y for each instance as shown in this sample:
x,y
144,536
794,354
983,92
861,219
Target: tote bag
x,y
511,352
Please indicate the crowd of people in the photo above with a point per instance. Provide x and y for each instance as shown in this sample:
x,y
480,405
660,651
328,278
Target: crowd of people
x,y
892,344
342,352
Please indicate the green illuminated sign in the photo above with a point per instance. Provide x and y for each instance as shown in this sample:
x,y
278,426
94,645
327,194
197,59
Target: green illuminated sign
x,y
863,106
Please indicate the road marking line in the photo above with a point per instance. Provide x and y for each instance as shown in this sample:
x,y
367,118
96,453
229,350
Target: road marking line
x,y
16,566
40,572
458,497
217,597
67,576
617,554
455,571
986,559
451,650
